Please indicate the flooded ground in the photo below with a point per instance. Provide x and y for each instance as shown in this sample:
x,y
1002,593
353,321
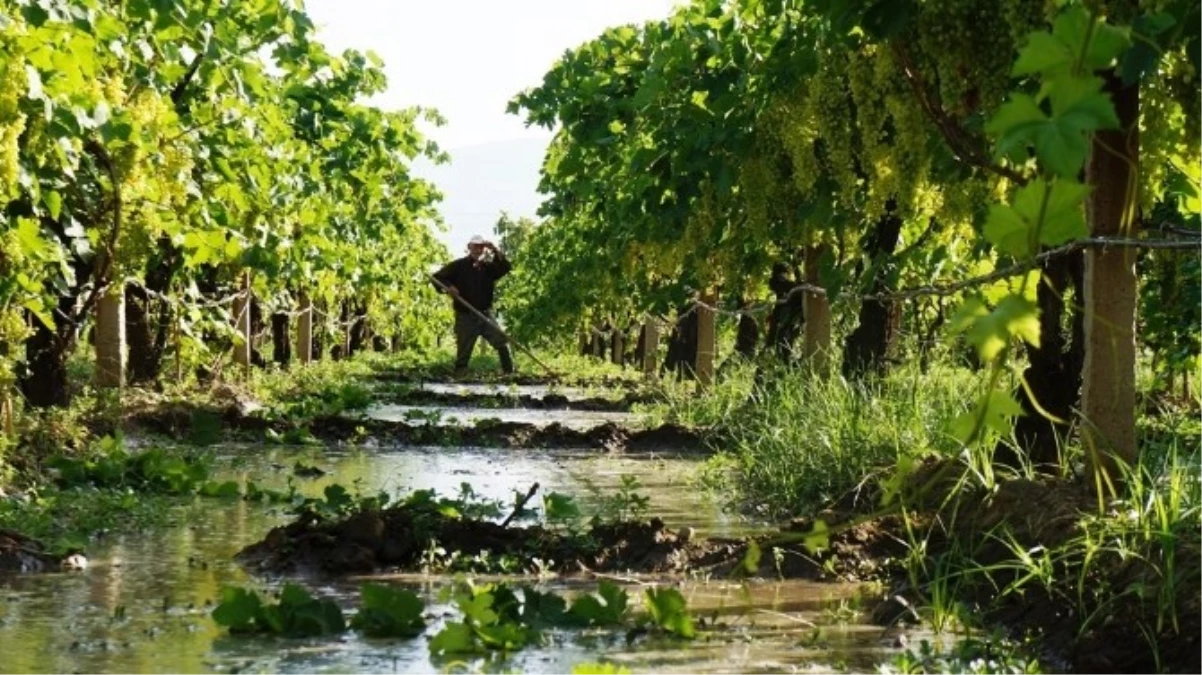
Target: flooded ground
x,y
143,603
515,390
452,416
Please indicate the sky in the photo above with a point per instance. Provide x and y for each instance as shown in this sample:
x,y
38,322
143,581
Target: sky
x,y
467,58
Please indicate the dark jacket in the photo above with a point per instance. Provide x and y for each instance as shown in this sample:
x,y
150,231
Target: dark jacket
x,y
476,281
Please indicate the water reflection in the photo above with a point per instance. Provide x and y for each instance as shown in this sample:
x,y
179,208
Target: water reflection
x,y
142,605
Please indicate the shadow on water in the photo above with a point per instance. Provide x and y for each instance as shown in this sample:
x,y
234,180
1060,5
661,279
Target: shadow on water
x,y
143,603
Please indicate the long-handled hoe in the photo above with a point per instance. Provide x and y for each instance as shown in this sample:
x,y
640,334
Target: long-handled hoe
x,y
485,318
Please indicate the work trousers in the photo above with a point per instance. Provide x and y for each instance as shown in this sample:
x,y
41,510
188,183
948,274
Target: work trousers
x,y
468,328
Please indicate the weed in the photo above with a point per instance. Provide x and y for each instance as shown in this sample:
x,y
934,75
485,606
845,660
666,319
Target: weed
x,y
669,612
792,443
627,503
297,614
990,655
608,606
389,612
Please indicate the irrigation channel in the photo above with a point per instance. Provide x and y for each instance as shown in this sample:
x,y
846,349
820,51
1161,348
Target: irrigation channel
x,y
143,604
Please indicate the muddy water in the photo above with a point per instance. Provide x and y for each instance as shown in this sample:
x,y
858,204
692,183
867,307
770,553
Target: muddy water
x,y
453,416
532,390
143,604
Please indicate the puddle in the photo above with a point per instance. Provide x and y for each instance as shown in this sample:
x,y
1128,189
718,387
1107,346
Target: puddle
x,y
143,603
454,416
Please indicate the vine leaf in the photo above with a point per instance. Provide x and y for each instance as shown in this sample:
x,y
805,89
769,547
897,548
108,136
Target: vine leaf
x,y
1061,141
990,331
1010,227
1000,410
1057,52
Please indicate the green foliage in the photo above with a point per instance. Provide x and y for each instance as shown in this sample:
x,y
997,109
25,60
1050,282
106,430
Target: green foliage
x,y
609,606
297,614
153,470
561,510
795,443
389,612
599,669
337,502
625,503
669,612
137,141
67,520
495,618
968,655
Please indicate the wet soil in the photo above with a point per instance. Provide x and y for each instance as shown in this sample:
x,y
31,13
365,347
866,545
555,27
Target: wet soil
x,y
549,401
398,538
178,420
1020,515
496,378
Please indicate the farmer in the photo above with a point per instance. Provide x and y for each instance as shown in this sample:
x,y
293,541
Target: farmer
x,y
471,281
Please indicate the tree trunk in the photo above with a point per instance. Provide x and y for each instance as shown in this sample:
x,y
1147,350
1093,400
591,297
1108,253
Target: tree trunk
x,y
281,345
146,333
682,346
599,343
865,350
617,346
1054,373
144,363
787,320
358,339
45,382
817,345
1108,392
747,337
256,330
929,336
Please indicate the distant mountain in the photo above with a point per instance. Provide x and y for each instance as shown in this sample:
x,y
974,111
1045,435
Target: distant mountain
x,y
483,180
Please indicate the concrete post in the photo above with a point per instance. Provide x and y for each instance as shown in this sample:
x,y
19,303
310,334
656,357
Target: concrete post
x,y
304,330
651,348
110,338
707,335
242,324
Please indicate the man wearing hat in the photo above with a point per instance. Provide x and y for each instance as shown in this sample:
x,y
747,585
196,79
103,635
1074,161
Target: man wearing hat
x,y
471,281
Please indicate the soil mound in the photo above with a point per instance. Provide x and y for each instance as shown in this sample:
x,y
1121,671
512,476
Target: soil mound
x,y
526,401
179,421
400,538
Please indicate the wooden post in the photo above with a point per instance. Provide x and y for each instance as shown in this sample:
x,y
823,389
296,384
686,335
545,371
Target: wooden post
x,y
110,338
242,324
707,335
650,348
304,330
347,324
